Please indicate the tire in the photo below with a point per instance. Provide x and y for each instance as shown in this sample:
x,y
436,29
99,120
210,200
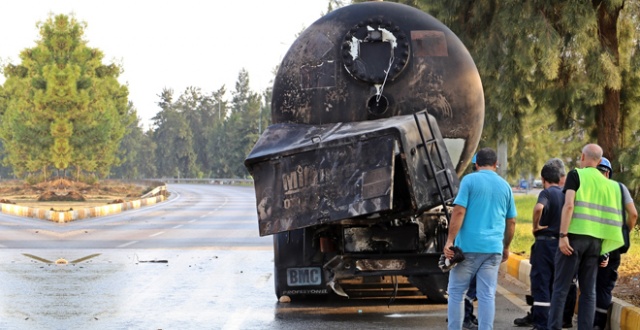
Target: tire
x,y
434,286
289,252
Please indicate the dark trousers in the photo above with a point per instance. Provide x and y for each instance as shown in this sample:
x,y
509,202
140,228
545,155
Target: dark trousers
x,y
606,281
542,257
570,304
543,252
584,262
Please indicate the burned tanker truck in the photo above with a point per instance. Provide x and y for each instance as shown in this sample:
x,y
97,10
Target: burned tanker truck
x,y
377,109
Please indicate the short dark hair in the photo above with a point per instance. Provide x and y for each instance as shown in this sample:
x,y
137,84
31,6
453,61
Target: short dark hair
x,y
486,157
551,173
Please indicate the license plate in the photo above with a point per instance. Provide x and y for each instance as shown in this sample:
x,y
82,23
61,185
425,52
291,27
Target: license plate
x,y
304,276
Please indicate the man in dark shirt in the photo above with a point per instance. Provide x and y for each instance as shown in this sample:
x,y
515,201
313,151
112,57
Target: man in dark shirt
x,y
546,227
608,275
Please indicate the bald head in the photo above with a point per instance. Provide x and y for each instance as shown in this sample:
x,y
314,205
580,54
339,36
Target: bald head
x,y
591,155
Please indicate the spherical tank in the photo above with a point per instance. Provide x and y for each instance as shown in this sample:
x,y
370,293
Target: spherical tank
x,y
380,59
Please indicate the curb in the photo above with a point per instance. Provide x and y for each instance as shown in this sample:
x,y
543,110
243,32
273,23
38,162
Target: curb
x,y
155,196
67,216
622,315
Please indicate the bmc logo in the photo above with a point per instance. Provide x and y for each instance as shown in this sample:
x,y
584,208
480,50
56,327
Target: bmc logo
x,y
304,276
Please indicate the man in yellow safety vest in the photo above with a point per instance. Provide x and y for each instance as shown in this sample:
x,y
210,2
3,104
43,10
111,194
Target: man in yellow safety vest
x,y
590,226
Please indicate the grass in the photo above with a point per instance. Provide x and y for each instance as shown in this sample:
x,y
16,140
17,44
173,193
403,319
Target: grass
x,y
523,237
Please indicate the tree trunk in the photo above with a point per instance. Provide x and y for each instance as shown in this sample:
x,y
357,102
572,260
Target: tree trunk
x,y
608,123
608,114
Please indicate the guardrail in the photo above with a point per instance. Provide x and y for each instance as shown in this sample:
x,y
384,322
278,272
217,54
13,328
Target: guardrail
x,y
206,181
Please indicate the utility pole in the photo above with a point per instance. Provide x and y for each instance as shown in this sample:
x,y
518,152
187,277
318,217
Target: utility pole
x,y
502,152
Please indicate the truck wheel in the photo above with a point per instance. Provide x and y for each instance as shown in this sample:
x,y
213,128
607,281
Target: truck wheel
x,y
287,251
293,249
434,286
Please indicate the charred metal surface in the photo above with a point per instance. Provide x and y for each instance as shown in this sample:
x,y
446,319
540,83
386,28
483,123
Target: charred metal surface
x,y
375,51
346,266
377,109
307,175
378,60
374,264
378,238
324,183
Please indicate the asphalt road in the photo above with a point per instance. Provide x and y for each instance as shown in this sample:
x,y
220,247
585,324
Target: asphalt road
x,y
193,262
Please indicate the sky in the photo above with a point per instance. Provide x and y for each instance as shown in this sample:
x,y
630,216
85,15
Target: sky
x,y
169,43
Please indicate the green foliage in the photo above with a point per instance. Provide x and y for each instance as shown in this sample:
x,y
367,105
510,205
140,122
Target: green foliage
x,y
552,73
137,152
64,108
175,154
523,237
545,68
199,135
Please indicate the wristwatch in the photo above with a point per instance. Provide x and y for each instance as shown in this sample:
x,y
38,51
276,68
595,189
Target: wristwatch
x,y
563,235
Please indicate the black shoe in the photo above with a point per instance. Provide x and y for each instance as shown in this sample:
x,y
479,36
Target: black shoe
x,y
526,321
472,318
468,325
567,325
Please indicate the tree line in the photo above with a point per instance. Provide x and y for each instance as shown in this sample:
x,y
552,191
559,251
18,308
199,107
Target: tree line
x,y
197,134
556,75
64,114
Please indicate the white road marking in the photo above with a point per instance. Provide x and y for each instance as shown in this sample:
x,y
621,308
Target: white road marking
x,y
156,234
127,244
237,318
513,298
177,226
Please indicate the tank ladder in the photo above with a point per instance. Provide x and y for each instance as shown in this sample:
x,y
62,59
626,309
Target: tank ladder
x,y
432,143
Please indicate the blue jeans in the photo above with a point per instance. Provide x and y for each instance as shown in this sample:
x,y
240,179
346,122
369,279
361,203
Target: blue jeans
x,y
485,267
468,300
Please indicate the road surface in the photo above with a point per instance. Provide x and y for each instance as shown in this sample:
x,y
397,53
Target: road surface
x,y
193,262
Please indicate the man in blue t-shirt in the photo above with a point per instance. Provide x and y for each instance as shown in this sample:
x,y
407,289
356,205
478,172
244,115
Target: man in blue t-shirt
x,y
482,226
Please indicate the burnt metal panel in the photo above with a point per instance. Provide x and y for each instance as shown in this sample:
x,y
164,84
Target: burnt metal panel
x,y
323,185
306,175
380,239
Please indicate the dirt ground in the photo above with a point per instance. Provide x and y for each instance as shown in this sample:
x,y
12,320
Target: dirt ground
x,y
628,285
64,194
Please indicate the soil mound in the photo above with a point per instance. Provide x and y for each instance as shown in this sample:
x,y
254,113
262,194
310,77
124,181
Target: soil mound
x,y
52,196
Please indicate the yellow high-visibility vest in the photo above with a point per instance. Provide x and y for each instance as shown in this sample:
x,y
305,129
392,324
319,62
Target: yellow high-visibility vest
x,y
598,209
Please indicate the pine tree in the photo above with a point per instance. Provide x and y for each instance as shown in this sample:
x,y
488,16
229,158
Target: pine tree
x,y
65,109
